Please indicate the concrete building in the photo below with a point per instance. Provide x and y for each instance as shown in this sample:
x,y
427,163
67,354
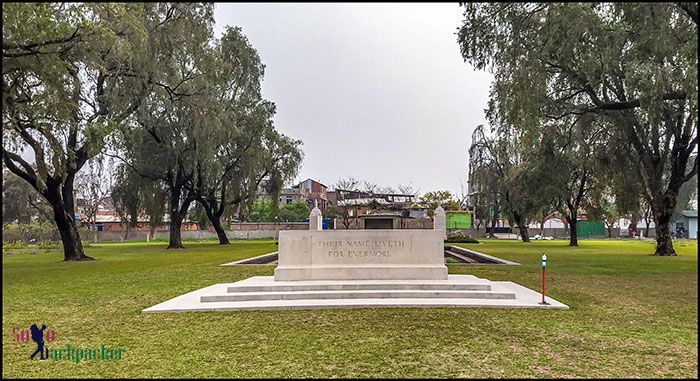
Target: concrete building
x,y
687,224
313,192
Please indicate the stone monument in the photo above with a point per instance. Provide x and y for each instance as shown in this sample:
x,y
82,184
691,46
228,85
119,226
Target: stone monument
x,y
360,254
358,268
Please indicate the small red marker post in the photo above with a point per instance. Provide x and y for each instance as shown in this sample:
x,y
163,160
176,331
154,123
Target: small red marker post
x,y
544,267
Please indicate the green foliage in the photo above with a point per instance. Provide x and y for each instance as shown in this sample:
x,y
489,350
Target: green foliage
x,y
13,245
436,198
578,71
29,233
261,211
127,193
294,212
47,246
199,215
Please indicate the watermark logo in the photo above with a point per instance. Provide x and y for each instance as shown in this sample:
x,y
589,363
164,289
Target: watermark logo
x,y
40,336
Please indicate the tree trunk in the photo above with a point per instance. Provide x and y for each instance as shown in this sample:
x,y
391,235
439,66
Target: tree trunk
x,y
573,235
215,219
70,237
494,220
524,233
176,218
126,234
646,229
175,236
663,213
220,232
522,227
216,223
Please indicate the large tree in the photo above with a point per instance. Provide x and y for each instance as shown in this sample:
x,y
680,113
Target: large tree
x,y
572,155
500,161
632,64
171,131
64,90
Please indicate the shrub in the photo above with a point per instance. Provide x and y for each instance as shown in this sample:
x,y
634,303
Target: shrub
x,y
13,245
48,245
29,233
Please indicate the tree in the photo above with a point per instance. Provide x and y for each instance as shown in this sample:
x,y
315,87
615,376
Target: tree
x,y
171,132
340,212
154,198
260,211
573,156
369,187
246,143
294,212
64,89
601,206
407,189
126,196
483,195
437,198
555,61
92,186
516,186
349,183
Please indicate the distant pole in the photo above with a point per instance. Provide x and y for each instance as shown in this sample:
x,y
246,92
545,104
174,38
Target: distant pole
x,y
544,267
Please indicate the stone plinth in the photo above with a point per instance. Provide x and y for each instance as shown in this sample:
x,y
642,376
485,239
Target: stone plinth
x,y
361,255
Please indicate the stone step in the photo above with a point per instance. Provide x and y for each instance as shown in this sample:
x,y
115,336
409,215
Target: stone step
x,y
521,297
357,294
361,286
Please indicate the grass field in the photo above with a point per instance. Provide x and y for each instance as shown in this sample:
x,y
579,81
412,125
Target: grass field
x,y
632,315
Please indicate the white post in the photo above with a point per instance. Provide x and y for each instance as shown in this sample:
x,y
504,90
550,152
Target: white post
x,y
315,218
440,222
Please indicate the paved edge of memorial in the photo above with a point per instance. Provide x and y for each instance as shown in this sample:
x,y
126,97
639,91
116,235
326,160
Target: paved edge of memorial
x,y
524,297
254,260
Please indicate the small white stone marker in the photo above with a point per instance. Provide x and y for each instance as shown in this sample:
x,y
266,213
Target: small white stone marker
x,y
315,218
440,222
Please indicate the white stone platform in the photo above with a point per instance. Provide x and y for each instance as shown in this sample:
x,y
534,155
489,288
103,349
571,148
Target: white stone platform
x,y
264,293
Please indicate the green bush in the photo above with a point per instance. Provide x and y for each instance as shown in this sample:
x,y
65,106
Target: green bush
x,y
48,245
29,233
461,240
13,245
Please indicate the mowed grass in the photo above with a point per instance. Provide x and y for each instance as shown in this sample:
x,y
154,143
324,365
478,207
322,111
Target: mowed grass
x,y
632,315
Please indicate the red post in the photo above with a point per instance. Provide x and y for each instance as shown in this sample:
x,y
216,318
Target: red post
x,y
543,270
544,266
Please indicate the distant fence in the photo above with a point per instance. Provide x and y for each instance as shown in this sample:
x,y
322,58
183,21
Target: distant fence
x,y
41,232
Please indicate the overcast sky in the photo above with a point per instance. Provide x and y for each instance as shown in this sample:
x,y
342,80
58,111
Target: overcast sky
x,y
375,91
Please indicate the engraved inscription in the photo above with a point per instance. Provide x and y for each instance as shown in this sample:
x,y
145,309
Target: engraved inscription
x,y
361,248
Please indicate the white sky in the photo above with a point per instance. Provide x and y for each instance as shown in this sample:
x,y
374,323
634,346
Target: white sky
x,y
375,91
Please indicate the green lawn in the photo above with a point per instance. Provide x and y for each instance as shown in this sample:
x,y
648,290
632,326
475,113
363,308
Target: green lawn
x,y
632,315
